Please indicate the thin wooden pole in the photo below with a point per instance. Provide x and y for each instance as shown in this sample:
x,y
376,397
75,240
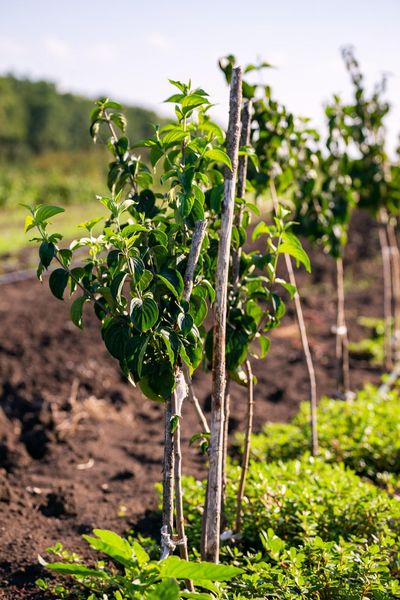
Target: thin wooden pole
x,y
387,291
212,520
247,444
304,341
342,341
395,263
236,254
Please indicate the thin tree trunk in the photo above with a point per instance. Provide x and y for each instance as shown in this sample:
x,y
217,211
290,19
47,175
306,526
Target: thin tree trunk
x,y
308,357
342,341
182,391
395,261
212,521
304,340
236,254
247,444
387,292
168,486
180,520
194,253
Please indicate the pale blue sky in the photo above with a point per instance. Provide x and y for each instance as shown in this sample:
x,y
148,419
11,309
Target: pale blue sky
x,y
128,49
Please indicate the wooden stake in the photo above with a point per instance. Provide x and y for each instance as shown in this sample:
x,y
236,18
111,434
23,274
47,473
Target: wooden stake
x,y
304,341
387,290
236,254
212,520
342,340
395,270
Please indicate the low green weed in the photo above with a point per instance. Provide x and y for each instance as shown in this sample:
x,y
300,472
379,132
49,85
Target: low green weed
x,y
363,433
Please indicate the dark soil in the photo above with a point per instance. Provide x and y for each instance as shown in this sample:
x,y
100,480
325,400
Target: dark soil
x,y
81,448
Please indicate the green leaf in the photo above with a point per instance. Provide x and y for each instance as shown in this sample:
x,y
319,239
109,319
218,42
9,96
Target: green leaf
x,y
46,253
111,544
135,228
182,569
144,313
117,285
259,230
45,212
166,590
198,309
174,136
116,334
74,569
184,204
58,281
185,322
264,346
77,310
297,253
137,267
65,256
29,223
141,555
219,156
173,281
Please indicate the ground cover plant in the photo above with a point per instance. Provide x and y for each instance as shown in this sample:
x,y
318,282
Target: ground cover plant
x,y
363,433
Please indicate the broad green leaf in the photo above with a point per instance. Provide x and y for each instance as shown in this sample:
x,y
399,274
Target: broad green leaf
x,y
44,212
77,570
135,228
185,322
77,310
58,281
144,313
137,267
259,230
117,285
173,281
46,253
116,333
166,590
297,253
111,544
264,346
174,136
198,309
219,156
141,555
182,569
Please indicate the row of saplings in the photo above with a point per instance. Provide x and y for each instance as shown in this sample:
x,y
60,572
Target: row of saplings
x,y
172,249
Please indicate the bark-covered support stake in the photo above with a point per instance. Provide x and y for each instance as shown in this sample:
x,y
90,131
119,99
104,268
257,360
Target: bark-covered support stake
x,y
304,341
236,254
395,263
342,340
212,517
387,289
